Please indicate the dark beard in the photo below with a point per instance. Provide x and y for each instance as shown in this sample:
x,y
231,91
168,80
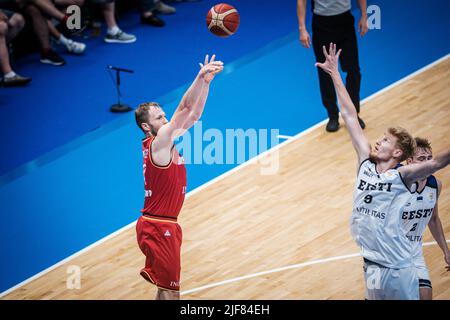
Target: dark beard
x,y
152,131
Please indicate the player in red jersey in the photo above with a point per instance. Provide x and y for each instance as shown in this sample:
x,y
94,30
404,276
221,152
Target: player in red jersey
x,y
158,233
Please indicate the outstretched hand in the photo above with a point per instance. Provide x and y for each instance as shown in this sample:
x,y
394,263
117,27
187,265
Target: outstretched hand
x,y
209,69
331,59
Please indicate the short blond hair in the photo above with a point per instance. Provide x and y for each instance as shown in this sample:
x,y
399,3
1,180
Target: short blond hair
x,y
142,112
405,142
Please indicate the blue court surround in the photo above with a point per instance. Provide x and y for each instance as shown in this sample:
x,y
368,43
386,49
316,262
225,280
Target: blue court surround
x,y
71,171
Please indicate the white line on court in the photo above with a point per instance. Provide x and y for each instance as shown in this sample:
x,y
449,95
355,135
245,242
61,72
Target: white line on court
x,y
289,267
222,176
282,136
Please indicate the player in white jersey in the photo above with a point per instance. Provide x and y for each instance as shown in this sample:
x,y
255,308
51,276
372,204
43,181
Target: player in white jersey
x,y
382,190
422,210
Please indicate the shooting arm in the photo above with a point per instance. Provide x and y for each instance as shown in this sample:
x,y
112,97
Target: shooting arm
x,y
191,105
198,99
187,113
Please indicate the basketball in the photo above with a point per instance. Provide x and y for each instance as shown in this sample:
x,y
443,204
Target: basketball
x,y
222,20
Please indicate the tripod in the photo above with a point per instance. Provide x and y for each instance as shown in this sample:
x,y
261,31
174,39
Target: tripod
x,y
119,107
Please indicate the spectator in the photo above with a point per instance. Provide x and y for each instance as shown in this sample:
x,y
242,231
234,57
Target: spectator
x,y
149,8
71,45
39,27
114,34
50,9
10,25
163,8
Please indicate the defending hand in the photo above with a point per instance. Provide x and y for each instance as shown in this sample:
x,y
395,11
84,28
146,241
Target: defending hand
x,y
330,65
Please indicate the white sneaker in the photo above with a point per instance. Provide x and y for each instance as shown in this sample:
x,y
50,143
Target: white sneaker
x,y
75,47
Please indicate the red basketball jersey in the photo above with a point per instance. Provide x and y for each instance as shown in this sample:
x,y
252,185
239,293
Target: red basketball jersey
x,y
165,187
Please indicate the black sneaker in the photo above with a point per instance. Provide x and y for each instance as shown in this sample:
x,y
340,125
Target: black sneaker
x,y
153,20
361,123
51,57
16,81
333,125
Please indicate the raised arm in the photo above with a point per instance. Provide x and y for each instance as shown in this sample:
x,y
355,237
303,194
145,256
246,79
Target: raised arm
x,y
437,231
191,106
348,111
419,171
305,39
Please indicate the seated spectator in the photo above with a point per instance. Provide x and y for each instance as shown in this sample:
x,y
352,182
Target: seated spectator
x,y
149,8
71,45
49,9
114,34
161,7
10,25
41,30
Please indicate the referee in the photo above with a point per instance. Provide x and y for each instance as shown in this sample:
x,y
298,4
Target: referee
x,y
333,22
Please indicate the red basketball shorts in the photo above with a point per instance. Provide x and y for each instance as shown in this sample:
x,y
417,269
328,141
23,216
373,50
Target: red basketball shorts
x,y
160,241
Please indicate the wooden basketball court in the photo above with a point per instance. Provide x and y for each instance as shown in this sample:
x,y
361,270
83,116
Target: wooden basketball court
x,y
248,223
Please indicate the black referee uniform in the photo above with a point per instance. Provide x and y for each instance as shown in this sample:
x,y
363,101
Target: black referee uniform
x,y
329,24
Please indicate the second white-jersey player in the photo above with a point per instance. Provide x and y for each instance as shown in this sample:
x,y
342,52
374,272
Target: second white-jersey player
x,y
420,212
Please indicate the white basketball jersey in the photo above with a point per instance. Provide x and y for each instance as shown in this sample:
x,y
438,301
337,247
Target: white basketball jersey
x,y
417,213
376,222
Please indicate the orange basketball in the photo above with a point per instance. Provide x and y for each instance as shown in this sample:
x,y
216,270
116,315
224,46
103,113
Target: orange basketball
x,y
223,20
